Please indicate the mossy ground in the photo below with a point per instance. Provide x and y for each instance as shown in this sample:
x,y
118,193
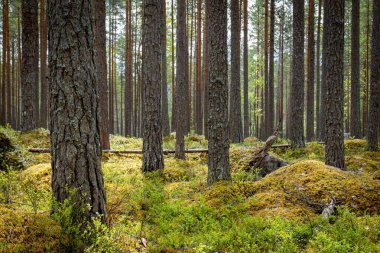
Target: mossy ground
x,y
176,211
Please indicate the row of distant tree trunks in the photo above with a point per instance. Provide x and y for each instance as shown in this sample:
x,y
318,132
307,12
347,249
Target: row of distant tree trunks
x,y
123,111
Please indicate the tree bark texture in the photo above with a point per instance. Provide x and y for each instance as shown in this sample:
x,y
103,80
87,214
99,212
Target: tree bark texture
x,y
164,83
152,50
198,88
236,130
181,81
270,98
43,54
333,66
75,129
355,129
245,67
99,11
29,71
374,108
297,86
218,145
310,74
205,69
318,70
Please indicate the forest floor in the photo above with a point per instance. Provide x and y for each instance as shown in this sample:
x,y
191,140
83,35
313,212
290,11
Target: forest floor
x,y
176,211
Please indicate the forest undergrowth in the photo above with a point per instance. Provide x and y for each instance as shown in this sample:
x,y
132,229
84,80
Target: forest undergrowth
x,y
174,210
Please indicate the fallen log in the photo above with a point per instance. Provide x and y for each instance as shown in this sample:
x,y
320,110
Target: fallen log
x,y
112,151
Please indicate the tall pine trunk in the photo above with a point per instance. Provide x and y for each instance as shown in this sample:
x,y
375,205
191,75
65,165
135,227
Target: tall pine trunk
x,y
29,71
198,88
374,108
164,84
43,54
310,74
333,67
318,71
152,132
218,145
245,67
75,135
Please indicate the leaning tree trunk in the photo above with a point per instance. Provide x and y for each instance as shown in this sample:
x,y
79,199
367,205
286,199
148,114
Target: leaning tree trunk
x,y
29,71
355,129
218,145
75,129
297,86
152,133
333,67
373,120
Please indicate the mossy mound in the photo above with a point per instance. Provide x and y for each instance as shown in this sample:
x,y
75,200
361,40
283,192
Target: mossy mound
x,y
38,138
305,187
10,157
21,231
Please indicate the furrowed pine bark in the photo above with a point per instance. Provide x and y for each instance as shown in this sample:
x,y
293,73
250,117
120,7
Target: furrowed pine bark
x,y
164,84
355,129
218,145
29,71
74,108
245,67
310,74
99,11
297,86
374,106
151,48
43,54
181,87
333,67
236,130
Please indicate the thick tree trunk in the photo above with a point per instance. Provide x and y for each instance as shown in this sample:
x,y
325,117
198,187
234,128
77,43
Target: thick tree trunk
x,y
310,74
29,72
245,67
164,84
297,87
355,71
373,119
181,87
152,133
236,130
218,146
75,130
333,67
43,54
99,11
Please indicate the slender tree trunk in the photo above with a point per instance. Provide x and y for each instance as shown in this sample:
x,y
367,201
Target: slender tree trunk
x,y
3,113
355,70
181,87
218,146
310,74
173,123
29,73
281,77
43,54
8,67
270,94
164,85
99,11
373,119
245,66
19,60
297,86
198,87
333,67
366,76
110,71
266,81
128,92
75,130
318,74
152,47
13,85
236,130
206,68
